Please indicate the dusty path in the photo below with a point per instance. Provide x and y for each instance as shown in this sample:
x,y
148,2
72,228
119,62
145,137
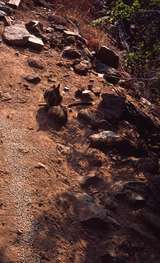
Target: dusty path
x,y
26,187
29,193
16,153
34,173
17,193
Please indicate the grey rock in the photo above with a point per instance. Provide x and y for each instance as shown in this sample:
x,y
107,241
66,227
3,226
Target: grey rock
x,y
5,96
8,10
112,75
135,199
58,114
2,14
82,68
92,181
14,3
32,79
16,35
71,53
53,96
63,149
57,19
87,53
35,43
144,121
8,20
35,64
76,35
49,30
112,106
59,28
85,95
70,33
91,119
69,40
100,67
85,115
108,57
35,28
106,140
105,137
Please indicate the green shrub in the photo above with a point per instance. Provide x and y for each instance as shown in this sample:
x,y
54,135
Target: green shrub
x,y
122,10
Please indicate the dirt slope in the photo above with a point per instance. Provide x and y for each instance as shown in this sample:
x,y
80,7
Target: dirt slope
x,y
42,168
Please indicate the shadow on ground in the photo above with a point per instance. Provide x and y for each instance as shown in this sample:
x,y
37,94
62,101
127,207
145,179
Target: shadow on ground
x,y
59,235
3,257
45,123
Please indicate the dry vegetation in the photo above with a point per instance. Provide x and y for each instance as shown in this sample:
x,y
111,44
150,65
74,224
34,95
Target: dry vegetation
x,y
83,5
80,11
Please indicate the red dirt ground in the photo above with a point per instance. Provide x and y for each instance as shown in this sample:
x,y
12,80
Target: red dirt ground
x,y
41,168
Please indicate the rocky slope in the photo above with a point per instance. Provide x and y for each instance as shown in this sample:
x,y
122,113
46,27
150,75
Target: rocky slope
x,y
134,25
79,155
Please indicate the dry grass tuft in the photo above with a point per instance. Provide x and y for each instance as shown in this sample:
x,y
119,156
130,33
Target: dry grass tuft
x,y
94,36
80,11
83,5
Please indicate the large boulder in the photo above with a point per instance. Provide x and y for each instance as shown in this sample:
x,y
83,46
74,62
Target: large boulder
x,y
107,140
16,35
108,57
112,106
